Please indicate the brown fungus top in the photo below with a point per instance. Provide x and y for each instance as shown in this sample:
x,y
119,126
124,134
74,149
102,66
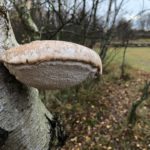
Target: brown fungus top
x,y
39,51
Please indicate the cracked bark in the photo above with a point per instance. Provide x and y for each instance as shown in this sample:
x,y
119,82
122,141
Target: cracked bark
x,y
22,114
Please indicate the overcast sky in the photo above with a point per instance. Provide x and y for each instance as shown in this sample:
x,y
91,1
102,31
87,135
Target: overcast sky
x,y
130,7
135,6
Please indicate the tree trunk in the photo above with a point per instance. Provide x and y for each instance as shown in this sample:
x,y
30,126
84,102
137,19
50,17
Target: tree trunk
x,y
123,65
24,11
24,120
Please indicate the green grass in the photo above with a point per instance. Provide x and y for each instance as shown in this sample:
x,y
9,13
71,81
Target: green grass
x,y
138,58
142,40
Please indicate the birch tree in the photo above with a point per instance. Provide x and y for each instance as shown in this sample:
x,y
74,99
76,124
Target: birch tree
x,y
25,123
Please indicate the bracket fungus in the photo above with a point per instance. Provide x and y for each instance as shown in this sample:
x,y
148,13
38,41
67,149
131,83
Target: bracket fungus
x,y
51,64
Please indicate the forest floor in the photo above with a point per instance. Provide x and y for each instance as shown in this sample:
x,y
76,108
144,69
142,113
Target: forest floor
x,y
95,115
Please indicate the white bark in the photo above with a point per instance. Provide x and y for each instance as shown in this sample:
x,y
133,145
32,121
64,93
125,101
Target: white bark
x,y
22,113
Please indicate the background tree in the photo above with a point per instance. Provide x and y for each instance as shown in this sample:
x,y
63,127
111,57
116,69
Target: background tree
x,y
124,34
114,7
124,31
58,20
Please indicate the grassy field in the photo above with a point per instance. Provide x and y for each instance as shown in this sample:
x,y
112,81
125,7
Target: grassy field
x,y
138,58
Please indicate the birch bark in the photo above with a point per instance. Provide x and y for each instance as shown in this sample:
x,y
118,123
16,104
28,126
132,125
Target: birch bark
x,y
23,121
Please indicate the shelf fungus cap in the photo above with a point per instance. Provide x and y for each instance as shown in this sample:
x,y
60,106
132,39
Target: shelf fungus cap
x,y
52,64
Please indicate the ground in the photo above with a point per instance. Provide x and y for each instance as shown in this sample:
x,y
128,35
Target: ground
x,y
98,120
95,116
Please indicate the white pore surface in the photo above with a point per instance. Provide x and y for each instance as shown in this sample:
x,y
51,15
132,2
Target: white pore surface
x,y
52,74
